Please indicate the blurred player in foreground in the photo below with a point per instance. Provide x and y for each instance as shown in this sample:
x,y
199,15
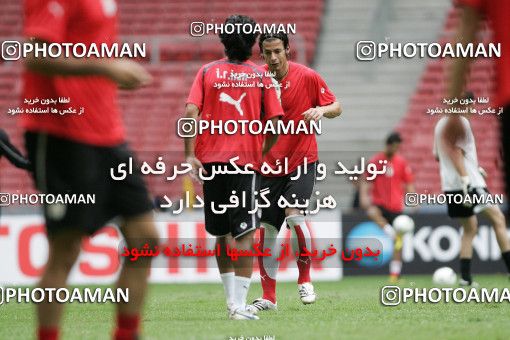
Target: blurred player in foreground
x,y
305,96
232,102
472,12
383,198
461,175
73,154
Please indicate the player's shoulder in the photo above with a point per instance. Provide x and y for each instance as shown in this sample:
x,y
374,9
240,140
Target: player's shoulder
x,y
398,158
302,70
254,67
208,66
378,156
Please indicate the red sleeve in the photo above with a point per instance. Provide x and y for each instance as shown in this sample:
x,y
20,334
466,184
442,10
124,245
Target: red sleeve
x,y
196,94
271,100
47,19
407,173
323,95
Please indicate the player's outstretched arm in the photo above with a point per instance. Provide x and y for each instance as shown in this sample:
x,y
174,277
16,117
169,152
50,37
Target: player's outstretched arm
x,y
12,153
125,73
329,111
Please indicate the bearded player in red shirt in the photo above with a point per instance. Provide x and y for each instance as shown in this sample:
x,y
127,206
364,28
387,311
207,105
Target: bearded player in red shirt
x,y
383,197
232,102
304,96
73,154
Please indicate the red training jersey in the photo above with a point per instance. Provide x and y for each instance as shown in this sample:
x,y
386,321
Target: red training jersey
x,y
497,12
87,22
388,188
230,91
301,89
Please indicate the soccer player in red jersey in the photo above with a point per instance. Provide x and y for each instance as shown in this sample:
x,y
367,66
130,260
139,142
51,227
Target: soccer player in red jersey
x,y
73,154
305,96
472,13
245,94
383,197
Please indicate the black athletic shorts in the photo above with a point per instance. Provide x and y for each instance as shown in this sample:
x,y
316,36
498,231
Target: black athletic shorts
x,y
62,166
235,220
300,189
457,209
389,215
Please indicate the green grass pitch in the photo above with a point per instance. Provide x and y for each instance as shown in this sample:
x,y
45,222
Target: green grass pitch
x,y
348,309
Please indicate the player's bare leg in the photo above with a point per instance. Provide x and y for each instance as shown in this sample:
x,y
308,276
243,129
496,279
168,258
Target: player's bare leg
x,y
226,269
243,271
470,228
396,264
494,214
301,239
137,231
64,249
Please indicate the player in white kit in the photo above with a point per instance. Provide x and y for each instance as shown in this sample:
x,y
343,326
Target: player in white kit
x,y
461,177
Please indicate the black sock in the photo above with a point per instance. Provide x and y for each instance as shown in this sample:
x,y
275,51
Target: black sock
x,y
465,269
506,258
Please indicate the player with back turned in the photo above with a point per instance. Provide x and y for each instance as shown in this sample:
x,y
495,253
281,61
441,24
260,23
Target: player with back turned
x,y
232,102
73,154
305,96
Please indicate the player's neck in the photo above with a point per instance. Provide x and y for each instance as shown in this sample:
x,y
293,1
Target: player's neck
x,y
389,155
283,73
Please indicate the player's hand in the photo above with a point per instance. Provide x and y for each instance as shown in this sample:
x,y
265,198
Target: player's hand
x,y
466,186
128,75
314,113
482,172
196,166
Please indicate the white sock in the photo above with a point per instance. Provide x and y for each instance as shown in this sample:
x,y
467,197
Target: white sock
x,y
390,231
395,267
242,285
228,286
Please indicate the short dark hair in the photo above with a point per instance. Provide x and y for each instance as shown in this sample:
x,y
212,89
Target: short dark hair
x,y
269,36
393,138
238,45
